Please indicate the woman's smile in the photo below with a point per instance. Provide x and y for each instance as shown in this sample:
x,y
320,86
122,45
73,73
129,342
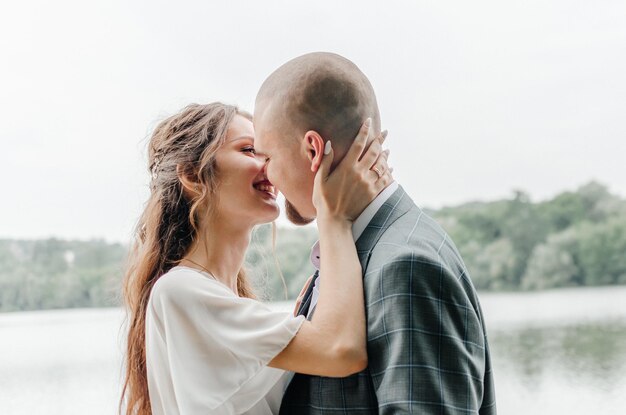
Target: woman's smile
x,y
266,188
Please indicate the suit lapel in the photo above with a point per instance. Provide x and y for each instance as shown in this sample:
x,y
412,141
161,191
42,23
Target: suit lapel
x,y
397,205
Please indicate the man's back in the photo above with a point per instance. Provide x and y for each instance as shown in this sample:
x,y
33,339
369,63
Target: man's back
x,y
427,345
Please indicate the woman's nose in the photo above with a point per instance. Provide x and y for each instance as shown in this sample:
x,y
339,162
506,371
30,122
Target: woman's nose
x,y
261,161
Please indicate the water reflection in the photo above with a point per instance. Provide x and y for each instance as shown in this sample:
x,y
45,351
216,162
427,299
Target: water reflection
x,y
593,354
572,369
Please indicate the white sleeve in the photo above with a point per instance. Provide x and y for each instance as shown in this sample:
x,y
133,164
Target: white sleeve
x,y
216,341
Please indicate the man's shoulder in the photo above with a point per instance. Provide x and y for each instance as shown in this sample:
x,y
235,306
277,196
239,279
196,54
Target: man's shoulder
x,y
415,233
418,242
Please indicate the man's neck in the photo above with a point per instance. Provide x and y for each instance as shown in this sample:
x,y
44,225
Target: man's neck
x,y
361,222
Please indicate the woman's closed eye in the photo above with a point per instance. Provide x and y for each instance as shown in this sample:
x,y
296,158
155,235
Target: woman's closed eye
x,y
249,150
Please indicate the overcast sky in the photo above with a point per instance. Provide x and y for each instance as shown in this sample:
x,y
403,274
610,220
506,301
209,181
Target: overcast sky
x,y
479,97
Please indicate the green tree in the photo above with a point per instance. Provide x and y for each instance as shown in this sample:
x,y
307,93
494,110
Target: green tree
x,y
602,252
552,264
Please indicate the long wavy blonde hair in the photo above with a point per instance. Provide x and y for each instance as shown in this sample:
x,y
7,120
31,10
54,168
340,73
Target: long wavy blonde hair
x,y
169,224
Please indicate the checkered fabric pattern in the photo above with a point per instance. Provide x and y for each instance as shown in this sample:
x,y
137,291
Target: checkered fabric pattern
x,y
427,344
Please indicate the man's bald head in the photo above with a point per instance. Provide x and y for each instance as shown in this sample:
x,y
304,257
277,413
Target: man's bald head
x,y
319,91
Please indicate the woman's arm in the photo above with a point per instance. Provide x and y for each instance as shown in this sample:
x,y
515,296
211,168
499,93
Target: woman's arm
x,y
334,342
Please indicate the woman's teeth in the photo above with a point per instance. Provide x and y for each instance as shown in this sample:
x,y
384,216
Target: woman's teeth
x,y
265,188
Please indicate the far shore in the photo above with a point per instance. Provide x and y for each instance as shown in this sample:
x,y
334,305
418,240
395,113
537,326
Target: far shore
x,y
562,306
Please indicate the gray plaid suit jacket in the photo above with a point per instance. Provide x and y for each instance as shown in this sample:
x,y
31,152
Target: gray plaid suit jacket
x,y
426,338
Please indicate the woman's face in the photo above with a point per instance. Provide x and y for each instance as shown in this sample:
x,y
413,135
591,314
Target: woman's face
x,y
245,194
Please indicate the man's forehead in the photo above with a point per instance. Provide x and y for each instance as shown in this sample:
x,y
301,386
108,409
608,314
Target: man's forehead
x,y
270,126
262,141
266,113
262,130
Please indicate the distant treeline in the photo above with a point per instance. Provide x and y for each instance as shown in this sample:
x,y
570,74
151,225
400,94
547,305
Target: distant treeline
x,y
575,239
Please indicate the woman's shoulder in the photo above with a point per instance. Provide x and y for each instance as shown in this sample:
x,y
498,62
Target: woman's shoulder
x,y
184,282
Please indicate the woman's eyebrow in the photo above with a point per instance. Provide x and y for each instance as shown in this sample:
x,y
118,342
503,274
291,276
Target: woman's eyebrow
x,y
243,137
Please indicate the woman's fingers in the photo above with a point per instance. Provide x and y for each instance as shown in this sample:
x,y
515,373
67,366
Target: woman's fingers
x,y
383,157
360,143
324,169
352,184
371,140
382,171
383,136
322,176
363,142
381,165
372,153
383,180
380,138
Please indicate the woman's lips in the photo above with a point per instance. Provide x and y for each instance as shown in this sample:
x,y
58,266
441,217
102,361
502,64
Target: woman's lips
x,y
266,188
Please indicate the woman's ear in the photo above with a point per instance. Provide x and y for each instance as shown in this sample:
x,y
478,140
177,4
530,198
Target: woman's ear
x,y
314,144
188,184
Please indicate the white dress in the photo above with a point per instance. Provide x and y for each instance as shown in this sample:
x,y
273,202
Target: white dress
x,y
207,349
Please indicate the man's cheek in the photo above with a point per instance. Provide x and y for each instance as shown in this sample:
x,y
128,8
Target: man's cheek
x,y
275,176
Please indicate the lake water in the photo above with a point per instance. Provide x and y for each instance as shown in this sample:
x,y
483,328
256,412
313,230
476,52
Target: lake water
x,y
554,352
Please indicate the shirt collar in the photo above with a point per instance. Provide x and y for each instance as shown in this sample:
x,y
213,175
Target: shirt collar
x,y
359,225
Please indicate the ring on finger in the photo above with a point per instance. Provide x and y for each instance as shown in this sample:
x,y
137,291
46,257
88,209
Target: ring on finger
x,y
378,172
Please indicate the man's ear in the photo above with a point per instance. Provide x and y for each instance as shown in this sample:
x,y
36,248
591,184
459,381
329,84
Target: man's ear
x,y
314,146
188,184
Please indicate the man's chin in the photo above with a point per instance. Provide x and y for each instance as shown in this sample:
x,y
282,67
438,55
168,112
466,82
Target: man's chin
x,y
294,216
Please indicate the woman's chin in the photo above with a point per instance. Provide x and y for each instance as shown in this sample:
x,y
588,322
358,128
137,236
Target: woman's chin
x,y
269,213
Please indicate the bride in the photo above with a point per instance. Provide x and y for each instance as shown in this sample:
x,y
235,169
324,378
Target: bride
x,y
198,340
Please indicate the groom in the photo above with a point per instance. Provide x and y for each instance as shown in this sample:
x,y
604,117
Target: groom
x,y
426,337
